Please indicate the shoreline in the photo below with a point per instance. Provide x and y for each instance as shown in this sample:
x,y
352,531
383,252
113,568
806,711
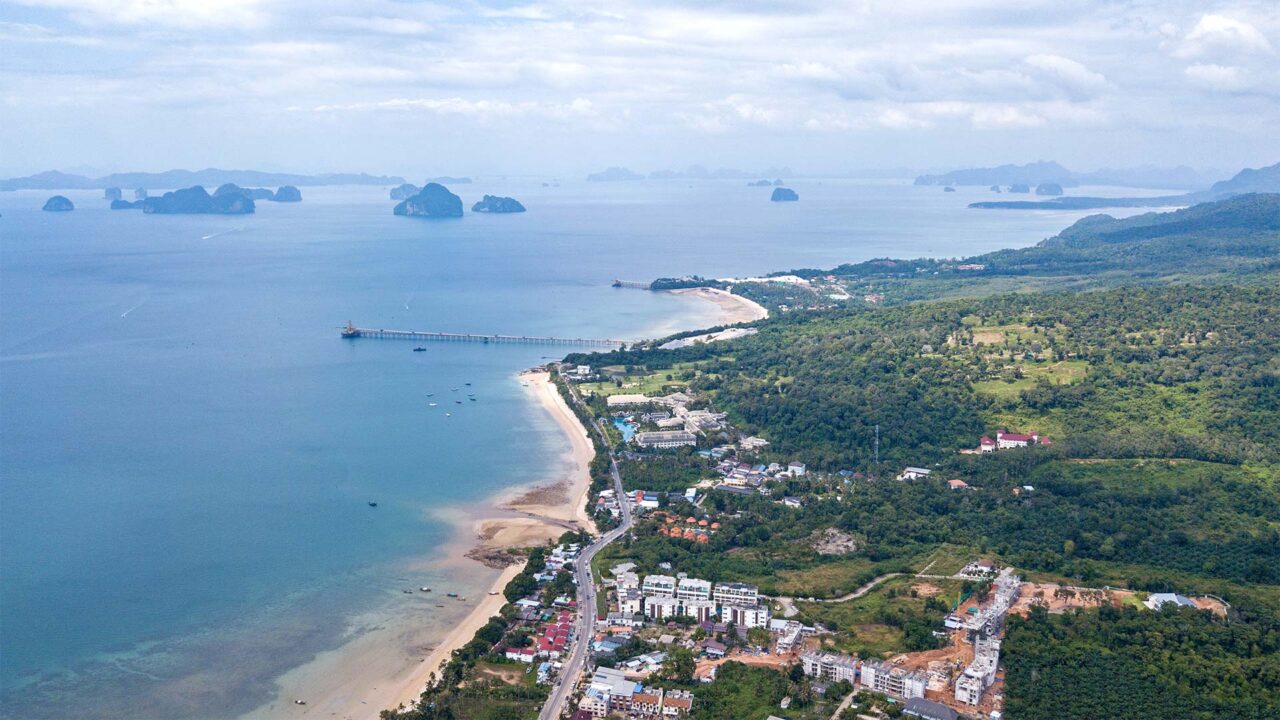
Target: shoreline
x,y
383,668
734,309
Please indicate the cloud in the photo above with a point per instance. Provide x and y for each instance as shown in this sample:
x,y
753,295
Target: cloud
x,y
479,109
188,14
1078,81
1219,78
1219,35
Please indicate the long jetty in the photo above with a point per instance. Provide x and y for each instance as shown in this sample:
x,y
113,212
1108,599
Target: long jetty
x,y
634,284
351,332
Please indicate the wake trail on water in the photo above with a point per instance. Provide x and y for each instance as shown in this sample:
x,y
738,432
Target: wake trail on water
x,y
220,234
135,307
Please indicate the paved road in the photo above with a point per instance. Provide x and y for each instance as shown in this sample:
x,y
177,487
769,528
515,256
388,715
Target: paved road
x,y
586,594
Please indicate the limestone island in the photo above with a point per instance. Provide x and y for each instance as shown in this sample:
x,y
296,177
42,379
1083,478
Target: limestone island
x,y
496,204
434,200
784,195
286,193
197,201
614,174
58,203
1019,188
112,193
1048,189
405,191
226,189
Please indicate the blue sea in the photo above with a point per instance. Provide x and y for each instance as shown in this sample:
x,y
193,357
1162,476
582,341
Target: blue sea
x,y
188,449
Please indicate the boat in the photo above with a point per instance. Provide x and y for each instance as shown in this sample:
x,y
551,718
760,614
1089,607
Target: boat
x,y
457,402
448,414
432,404
373,504
493,592
452,594
439,605
407,592
419,349
468,384
424,588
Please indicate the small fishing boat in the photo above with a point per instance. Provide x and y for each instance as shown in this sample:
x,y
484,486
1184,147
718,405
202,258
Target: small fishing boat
x,y
407,592
424,588
419,349
452,594
373,504
432,404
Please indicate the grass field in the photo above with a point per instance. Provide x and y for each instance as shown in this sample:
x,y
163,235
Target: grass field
x,y
862,625
1062,372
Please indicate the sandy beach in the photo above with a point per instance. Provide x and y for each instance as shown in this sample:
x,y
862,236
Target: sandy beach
x,y
391,658
733,308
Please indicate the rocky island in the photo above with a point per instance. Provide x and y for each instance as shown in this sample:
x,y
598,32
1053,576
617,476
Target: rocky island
x,y
496,204
112,193
405,191
286,193
784,195
58,203
1048,189
614,174
197,201
434,200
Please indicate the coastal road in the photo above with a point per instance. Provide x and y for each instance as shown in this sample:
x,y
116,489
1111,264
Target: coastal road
x,y
586,592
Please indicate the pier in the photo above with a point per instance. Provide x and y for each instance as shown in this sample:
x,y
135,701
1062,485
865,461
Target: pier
x,y
352,332
631,284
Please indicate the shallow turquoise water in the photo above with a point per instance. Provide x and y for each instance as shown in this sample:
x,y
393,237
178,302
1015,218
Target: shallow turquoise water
x,y
187,449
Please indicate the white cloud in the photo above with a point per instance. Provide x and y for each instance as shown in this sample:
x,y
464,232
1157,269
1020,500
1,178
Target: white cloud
x,y
1219,35
1219,78
193,14
1077,80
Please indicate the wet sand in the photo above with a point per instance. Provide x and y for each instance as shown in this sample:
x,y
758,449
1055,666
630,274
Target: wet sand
x,y
393,654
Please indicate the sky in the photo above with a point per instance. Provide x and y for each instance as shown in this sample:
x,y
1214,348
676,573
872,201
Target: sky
x,y
550,88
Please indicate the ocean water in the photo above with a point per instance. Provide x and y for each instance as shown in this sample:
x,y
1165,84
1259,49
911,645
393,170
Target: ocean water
x,y
188,449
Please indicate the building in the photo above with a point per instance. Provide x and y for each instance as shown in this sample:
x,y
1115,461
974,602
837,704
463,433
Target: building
x,y
665,439
661,703
929,710
658,586
789,633
630,601
739,594
700,610
1007,440
893,681
693,589
745,617
957,484
660,608
986,445
832,667
1159,600
753,443
796,468
914,473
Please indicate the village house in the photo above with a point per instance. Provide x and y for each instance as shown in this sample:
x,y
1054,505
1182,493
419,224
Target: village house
x,y
914,473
